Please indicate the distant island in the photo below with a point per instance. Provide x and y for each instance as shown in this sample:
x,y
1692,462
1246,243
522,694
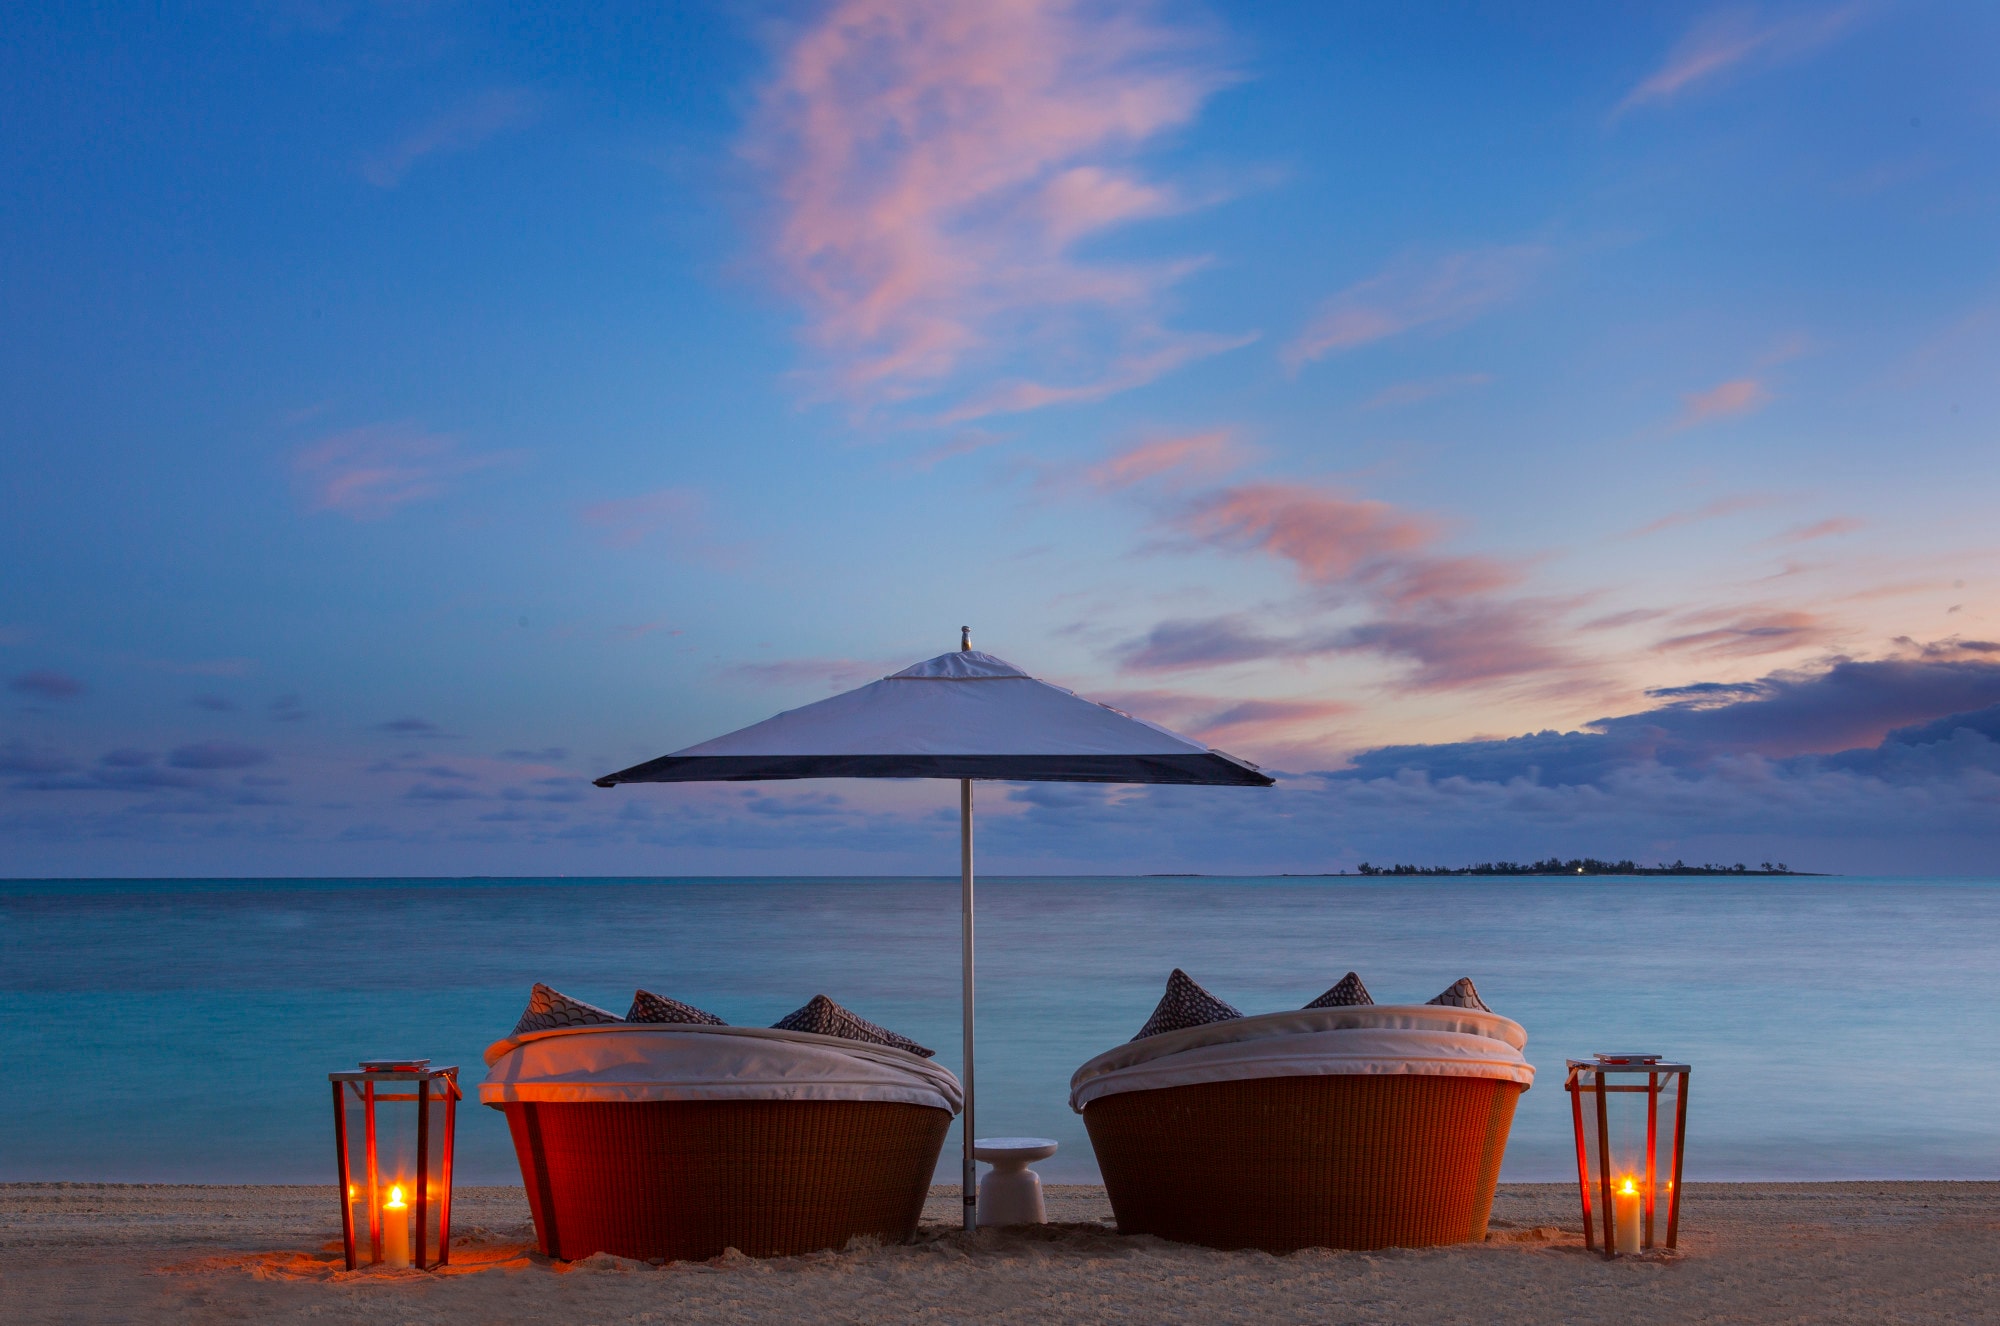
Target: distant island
x,y
1586,865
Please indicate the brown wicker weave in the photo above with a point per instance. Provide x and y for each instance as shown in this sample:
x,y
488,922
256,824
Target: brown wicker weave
x,y
1281,1163
686,1179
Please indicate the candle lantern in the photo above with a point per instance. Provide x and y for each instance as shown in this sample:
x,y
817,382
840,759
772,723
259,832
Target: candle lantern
x,y
392,1130
1631,1121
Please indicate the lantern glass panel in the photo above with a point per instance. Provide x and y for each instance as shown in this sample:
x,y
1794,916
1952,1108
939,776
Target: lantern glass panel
x,y
1629,1115
397,1129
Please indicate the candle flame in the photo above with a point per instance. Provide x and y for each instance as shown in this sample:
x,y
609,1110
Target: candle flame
x,y
395,1202
1625,1189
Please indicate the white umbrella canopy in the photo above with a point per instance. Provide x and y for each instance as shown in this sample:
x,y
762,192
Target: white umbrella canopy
x,y
965,715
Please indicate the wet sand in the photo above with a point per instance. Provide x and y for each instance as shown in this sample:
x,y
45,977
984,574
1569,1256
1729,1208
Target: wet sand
x,y
1847,1252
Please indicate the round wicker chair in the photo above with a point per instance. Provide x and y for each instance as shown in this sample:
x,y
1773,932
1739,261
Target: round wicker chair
x,y
674,1144
1376,1127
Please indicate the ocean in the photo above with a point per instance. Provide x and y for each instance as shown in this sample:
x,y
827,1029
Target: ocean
x,y
181,1030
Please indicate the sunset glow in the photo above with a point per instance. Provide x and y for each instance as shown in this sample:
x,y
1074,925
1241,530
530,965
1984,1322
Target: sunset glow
x,y
1523,436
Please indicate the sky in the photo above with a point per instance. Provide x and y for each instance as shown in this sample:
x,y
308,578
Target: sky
x,y
1522,429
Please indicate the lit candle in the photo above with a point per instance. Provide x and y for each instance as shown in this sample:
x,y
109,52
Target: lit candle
x,y
1626,1213
396,1230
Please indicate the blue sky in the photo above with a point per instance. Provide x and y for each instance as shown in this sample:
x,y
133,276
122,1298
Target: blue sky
x,y
408,412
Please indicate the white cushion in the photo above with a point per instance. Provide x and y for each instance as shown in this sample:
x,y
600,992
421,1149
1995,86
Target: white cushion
x,y
687,1061
1416,1039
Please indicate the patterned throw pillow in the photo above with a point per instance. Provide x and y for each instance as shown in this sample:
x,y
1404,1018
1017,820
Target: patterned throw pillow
x,y
649,1007
1348,993
549,1009
826,1018
1461,995
1184,1005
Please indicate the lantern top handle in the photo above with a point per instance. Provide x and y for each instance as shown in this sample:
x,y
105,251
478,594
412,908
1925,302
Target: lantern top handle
x,y
403,1070
1625,1063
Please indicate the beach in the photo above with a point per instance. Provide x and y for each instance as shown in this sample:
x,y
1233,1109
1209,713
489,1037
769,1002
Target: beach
x,y
1821,1252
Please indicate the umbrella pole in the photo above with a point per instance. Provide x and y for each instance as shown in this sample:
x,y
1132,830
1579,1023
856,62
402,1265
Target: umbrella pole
x,y
969,1189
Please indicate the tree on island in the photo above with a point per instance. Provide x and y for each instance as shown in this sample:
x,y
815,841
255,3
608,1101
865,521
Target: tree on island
x,y
1584,865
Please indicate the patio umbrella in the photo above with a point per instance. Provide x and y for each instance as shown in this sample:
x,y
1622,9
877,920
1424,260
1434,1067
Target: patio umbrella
x,y
965,715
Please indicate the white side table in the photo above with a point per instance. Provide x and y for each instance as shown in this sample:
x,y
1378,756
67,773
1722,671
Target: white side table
x,y
1011,1193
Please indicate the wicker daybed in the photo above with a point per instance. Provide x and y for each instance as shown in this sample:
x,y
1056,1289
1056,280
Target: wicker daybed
x,y
1363,1127
670,1142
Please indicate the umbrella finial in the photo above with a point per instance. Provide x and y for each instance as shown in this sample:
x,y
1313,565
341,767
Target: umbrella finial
x,y
964,639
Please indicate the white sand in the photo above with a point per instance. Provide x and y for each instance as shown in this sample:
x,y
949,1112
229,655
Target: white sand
x,y
1860,1252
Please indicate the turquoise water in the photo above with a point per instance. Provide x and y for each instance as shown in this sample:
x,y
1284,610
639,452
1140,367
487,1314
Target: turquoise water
x,y
181,1030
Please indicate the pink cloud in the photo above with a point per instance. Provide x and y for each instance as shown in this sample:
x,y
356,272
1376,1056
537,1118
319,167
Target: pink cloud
x,y
1203,455
1732,38
1213,716
1900,589
459,129
1410,295
1448,644
1259,721
935,167
1629,617
1741,396
368,473
1444,615
627,522
1326,535
1085,199
1714,510
1210,642
1419,580
1747,634
1821,529
1467,642
1281,729
1164,353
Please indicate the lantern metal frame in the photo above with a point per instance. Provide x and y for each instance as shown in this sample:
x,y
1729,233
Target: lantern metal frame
x,y
431,1086
1600,1069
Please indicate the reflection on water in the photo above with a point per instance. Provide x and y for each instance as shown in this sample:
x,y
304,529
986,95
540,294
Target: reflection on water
x,y
182,1030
